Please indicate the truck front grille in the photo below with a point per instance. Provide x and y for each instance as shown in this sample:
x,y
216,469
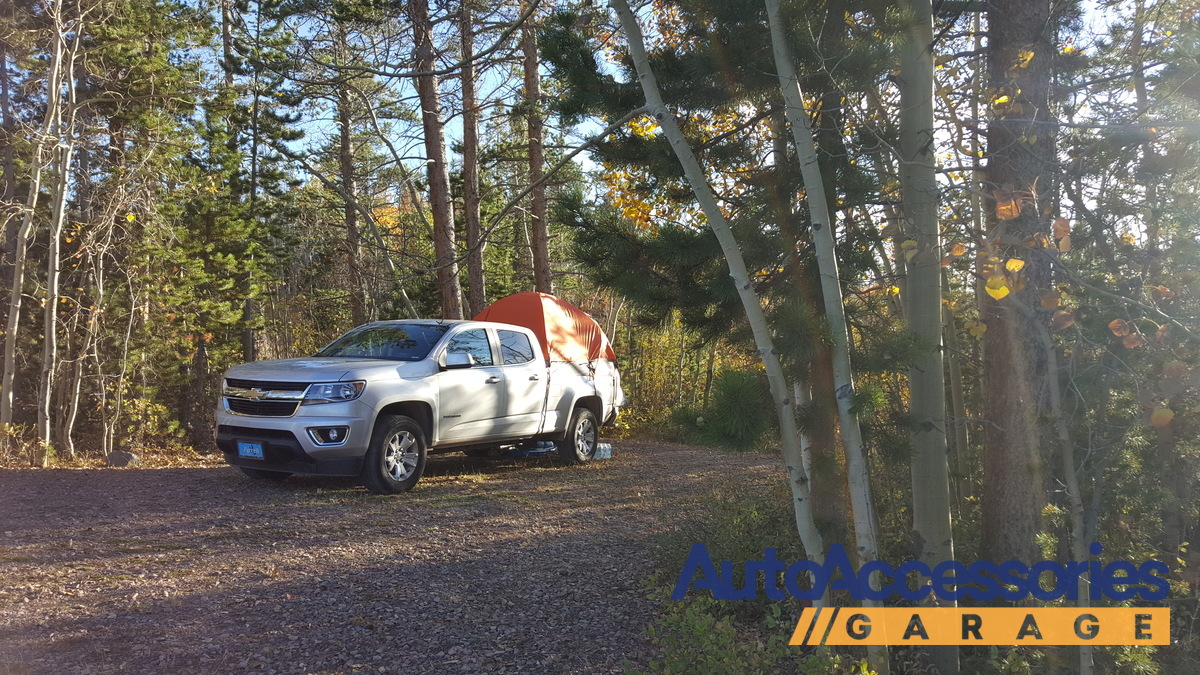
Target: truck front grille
x,y
266,386
262,408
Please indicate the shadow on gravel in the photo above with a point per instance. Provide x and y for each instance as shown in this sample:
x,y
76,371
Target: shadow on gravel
x,y
487,566
568,604
518,565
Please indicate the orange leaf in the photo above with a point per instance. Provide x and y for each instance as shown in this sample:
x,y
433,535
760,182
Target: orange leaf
x,y
1164,292
1051,300
1161,417
1062,319
1119,327
958,249
1133,340
1007,209
1161,335
1062,227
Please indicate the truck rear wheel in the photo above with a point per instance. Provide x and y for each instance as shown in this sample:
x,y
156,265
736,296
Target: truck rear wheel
x,y
580,444
396,457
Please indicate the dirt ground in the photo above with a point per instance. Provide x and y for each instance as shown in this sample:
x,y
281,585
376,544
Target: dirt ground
x,y
499,566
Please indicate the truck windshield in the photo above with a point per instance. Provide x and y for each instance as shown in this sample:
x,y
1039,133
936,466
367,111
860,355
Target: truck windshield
x,y
394,341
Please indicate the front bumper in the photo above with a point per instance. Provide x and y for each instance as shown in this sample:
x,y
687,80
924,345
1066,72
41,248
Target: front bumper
x,y
288,446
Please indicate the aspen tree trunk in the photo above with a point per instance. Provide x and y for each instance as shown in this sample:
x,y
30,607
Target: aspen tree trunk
x,y
784,404
1079,550
934,538
44,151
476,281
828,483
7,139
857,469
540,228
64,154
958,407
444,249
53,259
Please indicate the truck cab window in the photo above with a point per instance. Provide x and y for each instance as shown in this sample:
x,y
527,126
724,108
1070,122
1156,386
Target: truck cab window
x,y
514,347
473,342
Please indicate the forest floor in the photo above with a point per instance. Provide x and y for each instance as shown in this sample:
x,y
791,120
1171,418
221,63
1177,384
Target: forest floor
x,y
502,565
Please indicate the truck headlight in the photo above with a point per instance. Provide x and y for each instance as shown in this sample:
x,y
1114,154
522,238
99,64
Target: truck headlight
x,y
333,392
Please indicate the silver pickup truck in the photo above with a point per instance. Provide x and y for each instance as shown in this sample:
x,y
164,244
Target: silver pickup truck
x,y
377,399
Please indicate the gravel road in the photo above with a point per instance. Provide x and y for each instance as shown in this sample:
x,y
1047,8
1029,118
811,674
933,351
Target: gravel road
x,y
498,566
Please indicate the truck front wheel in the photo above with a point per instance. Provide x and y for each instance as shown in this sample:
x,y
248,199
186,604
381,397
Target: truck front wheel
x,y
396,457
580,444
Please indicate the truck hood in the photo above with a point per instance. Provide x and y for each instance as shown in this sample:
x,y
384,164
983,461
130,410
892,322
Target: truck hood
x,y
318,369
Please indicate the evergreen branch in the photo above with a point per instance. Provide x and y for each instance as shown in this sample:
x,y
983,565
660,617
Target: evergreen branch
x,y
367,217
495,222
495,46
1149,309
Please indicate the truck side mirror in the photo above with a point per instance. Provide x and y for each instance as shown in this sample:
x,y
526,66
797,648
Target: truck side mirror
x,y
459,360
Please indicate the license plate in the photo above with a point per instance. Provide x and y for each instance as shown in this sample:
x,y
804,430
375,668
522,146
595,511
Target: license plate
x,y
252,450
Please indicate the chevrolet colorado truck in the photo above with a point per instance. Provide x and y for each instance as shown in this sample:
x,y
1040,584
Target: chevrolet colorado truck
x,y
375,401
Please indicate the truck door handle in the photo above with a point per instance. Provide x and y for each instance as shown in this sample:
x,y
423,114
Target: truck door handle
x,y
533,377
492,380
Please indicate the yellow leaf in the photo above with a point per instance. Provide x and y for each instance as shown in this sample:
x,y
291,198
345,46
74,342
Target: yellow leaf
x,y
1064,244
1007,209
976,328
910,249
893,290
997,287
1161,417
999,100
1023,59
130,217
1014,264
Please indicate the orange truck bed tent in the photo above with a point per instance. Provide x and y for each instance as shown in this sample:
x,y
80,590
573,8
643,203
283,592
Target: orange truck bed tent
x,y
567,333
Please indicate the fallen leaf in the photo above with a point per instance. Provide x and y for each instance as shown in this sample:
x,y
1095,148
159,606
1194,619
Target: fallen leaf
x,y
1133,341
1119,327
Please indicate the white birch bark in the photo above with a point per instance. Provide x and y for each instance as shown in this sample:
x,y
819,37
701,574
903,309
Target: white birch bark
x,y
785,405
934,538
866,538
